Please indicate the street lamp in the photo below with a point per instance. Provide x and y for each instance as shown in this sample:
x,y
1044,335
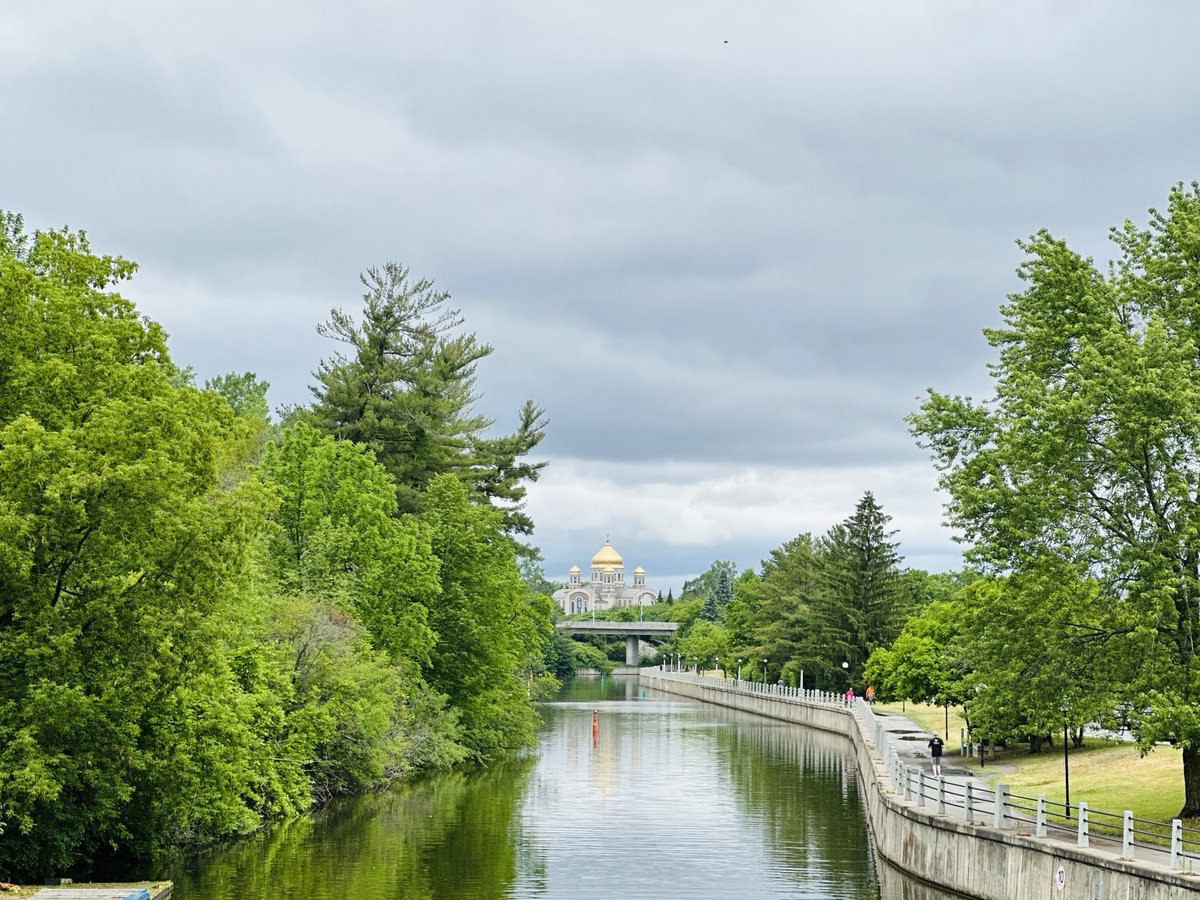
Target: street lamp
x,y
717,664
696,664
764,671
739,677
1066,767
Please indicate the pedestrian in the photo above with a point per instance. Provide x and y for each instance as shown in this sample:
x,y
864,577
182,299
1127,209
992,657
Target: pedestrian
x,y
849,695
935,753
870,695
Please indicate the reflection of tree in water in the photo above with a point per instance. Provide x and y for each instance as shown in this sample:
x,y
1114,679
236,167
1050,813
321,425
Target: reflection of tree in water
x,y
801,785
454,835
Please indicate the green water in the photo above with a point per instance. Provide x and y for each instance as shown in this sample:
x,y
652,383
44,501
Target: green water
x,y
670,799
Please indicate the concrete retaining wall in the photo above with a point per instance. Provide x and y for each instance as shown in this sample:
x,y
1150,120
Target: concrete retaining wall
x,y
973,860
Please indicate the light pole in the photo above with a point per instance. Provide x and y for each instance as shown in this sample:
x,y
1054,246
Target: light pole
x,y
765,670
1066,768
739,675
717,664
696,664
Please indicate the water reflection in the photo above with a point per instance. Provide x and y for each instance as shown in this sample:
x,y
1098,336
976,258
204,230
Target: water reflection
x,y
670,799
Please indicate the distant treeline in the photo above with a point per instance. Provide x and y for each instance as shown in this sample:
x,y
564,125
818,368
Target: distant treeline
x,y
208,619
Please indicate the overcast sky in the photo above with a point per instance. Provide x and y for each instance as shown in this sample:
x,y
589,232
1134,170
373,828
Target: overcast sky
x,y
727,246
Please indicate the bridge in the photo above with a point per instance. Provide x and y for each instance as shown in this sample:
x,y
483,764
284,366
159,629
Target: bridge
x,y
632,631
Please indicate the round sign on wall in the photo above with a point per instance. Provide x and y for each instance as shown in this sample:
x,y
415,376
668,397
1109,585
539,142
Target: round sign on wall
x,y
1060,878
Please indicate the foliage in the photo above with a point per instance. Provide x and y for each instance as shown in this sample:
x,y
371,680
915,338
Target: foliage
x,y
120,552
489,627
1087,458
206,620
407,390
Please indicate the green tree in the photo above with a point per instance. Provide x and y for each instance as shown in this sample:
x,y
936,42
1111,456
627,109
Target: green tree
x,y
1086,457
859,604
406,389
123,555
490,629
334,537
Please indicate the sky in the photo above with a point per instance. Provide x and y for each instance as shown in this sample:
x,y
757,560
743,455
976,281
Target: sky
x,y
726,246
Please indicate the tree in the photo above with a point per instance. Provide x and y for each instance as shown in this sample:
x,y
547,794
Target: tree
x,y
706,582
858,605
490,629
123,556
1087,456
334,537
407,391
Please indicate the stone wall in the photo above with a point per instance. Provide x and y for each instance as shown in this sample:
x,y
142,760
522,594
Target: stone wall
x,y
973,860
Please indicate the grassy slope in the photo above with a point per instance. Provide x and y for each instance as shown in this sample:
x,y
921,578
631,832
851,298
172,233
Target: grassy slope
x,y
1108,775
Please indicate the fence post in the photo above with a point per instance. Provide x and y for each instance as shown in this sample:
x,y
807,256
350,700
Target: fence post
x,y
969,803
920,787
941,796
1127,835
1082,840
1039,827
1000,813
907,783
1176,845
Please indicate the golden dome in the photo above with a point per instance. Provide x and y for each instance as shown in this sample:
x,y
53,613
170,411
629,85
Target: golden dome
x,y
639,571
607,556
574,570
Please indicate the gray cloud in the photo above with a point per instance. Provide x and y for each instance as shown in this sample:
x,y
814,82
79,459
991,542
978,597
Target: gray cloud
x,y
749,257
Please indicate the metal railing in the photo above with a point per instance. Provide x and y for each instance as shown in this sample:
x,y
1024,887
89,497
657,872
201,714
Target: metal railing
x,y
998,807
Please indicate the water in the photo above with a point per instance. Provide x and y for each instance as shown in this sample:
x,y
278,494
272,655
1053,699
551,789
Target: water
x,y
672,799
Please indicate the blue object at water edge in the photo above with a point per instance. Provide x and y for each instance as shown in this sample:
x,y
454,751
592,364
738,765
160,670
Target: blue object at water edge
x,y
139,894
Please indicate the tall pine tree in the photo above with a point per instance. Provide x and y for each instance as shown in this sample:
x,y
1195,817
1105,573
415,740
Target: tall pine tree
x,y
406,389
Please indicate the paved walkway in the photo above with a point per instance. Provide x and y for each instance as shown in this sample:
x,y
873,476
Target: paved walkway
x,y
910,742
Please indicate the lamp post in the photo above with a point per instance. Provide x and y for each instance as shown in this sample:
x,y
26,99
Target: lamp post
x,y
717,664
696,664
765,661
1066,768
739,675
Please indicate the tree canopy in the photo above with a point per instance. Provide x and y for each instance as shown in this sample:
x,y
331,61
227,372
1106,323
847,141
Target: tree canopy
x,y
206,620
1084,464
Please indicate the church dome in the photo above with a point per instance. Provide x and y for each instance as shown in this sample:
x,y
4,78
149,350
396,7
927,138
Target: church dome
x,y
639,571
574,570
607,556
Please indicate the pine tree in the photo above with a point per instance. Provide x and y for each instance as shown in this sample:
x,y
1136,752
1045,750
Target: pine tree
x,y
406,389
859,603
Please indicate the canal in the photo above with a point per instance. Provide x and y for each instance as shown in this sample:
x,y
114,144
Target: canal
x,y
668,799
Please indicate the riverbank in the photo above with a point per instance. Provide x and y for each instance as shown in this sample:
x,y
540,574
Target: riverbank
x,y
936,831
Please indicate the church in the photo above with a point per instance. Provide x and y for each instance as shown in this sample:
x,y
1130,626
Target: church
x,y
606,588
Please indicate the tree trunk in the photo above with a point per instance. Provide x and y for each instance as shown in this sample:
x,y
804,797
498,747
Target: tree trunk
x,y
1191,783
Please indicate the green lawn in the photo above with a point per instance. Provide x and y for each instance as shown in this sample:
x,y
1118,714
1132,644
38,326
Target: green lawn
x,y
1108,775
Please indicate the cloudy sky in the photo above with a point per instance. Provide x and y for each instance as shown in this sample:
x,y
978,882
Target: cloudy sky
x,y
727,246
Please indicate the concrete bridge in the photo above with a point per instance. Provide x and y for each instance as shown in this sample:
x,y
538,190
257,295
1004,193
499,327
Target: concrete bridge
x,y
632,632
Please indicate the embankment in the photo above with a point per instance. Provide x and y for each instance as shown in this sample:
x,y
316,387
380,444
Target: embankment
x,y
974,860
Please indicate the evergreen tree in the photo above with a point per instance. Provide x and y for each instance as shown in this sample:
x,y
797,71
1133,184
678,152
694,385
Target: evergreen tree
x,y
859,605
723,590
406,389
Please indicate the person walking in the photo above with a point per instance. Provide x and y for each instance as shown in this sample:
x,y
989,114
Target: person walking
x,y
935,753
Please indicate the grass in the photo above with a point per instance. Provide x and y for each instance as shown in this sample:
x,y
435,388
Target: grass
x,y
1110,776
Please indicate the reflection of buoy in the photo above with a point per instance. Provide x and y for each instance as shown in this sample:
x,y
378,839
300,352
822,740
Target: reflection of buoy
x,y
595,726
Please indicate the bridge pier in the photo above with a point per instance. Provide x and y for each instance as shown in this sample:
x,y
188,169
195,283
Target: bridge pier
x,y
632,657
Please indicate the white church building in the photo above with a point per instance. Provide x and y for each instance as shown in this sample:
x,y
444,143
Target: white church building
x,y
606,589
